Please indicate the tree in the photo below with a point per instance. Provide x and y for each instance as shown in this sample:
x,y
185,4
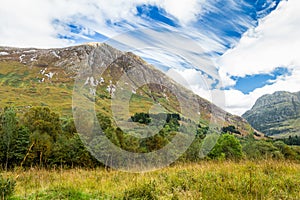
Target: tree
x,y
45,128
70,151
228,147
143,118
21,145
260,149
286,150
41,119
9,127
230,129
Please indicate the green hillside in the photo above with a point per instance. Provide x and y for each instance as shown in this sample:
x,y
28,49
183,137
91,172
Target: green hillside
x,y
46,77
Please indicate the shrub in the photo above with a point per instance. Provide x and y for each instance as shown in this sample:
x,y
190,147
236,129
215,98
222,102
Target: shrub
x,y
227,147
7,186
231,129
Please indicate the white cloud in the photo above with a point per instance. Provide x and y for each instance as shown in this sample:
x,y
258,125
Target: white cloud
x,y
169,48
274,43
37,23
200,84
185,11
30,23
238,103
234,101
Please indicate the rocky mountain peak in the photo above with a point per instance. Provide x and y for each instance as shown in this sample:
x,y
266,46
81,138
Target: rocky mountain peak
x,y
276,114
49,74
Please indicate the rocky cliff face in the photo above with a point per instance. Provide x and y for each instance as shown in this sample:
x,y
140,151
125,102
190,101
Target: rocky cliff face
x,y
276,114
35,77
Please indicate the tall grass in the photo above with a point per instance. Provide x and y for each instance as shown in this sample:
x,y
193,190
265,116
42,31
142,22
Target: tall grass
x,y
203,180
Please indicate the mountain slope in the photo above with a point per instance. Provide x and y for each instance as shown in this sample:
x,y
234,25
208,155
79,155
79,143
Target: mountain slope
x,y
276,114
46,77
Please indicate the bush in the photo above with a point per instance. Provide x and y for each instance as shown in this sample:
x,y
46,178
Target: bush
x,y
267,149
7,187
227,147
231,129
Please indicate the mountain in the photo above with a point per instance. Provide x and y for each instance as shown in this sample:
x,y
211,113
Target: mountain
x,y
46,77
276,114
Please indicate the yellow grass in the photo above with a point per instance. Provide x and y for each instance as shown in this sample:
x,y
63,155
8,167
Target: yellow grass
x,y
204,180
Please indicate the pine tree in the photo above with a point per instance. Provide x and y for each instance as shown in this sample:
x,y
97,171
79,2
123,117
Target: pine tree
x,y
9,127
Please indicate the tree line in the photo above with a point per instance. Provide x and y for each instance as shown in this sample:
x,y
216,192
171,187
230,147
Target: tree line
x,y
39,137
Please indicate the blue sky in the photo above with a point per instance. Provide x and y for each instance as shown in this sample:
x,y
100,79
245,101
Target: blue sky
x,y
226,23
249,83
234,47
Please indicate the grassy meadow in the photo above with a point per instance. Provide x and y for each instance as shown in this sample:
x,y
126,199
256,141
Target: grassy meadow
x,y
203,180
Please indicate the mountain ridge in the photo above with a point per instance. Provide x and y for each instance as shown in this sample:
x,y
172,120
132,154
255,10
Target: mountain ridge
x,y
30,71
276,114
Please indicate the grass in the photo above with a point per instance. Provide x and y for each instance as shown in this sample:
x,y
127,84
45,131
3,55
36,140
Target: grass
x,y
20,87
204,180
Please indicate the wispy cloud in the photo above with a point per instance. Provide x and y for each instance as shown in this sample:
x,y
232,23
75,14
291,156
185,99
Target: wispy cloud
x,y
187,36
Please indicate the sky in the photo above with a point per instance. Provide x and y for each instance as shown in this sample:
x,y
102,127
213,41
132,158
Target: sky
x,y
236,49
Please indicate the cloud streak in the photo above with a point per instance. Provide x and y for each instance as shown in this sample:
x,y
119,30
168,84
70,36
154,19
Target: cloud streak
x,y
201,31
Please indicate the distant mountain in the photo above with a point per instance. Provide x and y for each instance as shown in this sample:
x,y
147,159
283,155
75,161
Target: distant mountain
x,y
46,77
276,114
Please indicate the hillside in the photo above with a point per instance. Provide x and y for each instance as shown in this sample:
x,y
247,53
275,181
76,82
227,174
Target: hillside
x,y
276,114
46,77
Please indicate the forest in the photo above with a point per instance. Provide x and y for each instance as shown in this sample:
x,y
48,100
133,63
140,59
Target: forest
x,y
39,137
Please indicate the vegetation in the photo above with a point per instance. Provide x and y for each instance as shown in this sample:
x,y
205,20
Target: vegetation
x,y
231,129
43,157
227,147
7,186
39,137
291,140
203,180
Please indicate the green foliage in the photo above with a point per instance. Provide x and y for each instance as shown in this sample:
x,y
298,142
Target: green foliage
x,y
70,152
143,118
42,138
68,126
45,128
14,139
9,127
104,121
286,150
202,131
260,149
41,120
227,147
230,129
146,191
20,146
70,193
268,149
7,187
193,152
291,140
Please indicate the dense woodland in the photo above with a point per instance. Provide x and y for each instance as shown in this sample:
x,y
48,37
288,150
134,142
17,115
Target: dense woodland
x,y
38,137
